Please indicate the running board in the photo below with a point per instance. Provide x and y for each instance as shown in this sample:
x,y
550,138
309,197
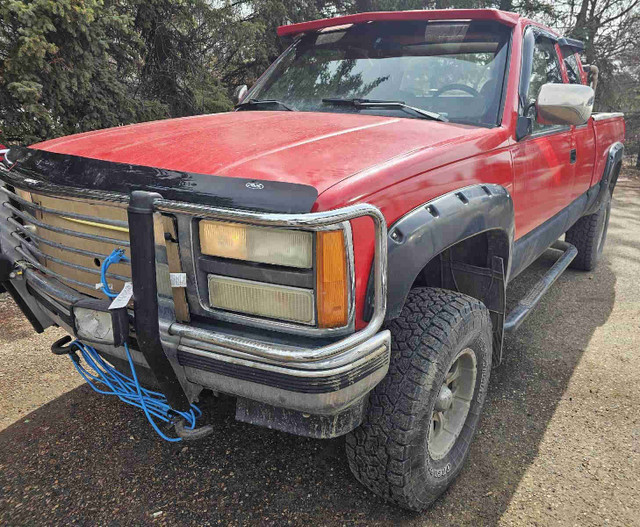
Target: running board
x,y
517,315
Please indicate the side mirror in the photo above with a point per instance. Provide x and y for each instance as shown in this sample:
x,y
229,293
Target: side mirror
x,y
240,93
568,104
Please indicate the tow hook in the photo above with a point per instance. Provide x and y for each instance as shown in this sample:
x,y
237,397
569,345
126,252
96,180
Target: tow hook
x,y
59,347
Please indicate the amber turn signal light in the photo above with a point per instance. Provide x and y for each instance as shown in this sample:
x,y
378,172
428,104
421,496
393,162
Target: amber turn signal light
x,y
331,277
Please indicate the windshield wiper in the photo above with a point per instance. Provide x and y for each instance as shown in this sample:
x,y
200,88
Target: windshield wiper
x,y
374,103
265,102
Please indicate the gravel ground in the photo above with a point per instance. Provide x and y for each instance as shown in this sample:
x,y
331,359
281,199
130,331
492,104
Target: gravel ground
x,y
559,443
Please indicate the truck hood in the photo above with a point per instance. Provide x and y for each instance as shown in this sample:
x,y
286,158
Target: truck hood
x,y
316,149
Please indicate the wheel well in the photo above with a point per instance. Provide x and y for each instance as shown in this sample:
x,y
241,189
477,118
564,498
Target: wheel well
x,y
477,266
476,251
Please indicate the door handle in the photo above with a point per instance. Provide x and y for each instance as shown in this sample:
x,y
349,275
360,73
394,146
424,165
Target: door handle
x,y
574,155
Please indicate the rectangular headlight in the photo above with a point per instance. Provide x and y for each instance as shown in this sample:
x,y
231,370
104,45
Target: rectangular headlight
x,y
266,300
257,244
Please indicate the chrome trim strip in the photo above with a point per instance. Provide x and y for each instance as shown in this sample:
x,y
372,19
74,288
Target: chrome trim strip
x,y
601,116
29,218
372,353
206,349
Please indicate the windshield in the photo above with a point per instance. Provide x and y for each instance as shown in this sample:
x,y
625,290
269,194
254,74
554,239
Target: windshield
x,y
455,69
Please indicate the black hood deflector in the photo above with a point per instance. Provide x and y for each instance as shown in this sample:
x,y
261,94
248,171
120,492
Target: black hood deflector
x,y
50,169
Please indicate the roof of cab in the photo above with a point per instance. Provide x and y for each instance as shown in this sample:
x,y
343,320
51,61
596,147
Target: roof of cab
x,y
510,19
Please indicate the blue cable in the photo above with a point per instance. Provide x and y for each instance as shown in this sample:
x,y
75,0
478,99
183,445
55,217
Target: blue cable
x,y
116,256
106,380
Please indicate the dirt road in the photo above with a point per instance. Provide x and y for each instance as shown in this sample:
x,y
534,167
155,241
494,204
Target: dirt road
x,y
559,442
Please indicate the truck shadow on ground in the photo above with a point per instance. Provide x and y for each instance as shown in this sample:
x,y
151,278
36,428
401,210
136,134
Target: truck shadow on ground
x,y
87,458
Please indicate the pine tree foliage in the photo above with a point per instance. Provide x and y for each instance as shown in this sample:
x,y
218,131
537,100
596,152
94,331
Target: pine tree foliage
x,y
68,66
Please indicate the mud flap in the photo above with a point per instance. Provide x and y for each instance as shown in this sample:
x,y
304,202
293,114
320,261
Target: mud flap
x,y
298,423
485,284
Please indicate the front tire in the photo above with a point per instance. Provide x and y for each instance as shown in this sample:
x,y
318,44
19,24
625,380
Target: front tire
x,y
588,235
423,414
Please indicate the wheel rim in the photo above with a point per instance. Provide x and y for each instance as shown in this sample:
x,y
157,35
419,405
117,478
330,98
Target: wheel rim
x,y
452,405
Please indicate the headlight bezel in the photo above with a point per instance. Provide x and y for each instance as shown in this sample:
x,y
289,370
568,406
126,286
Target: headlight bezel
x,y
295,274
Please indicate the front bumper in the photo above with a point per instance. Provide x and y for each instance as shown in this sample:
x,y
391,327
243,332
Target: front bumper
x,y
322,387
325,386
324,380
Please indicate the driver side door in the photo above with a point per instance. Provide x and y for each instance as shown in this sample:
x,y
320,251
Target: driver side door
x,y
542,160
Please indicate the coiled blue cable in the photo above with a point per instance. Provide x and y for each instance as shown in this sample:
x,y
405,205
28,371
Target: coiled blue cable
x,y
106,380
116,256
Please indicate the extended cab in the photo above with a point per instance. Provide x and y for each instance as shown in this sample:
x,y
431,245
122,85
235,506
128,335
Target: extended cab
x,y
335,253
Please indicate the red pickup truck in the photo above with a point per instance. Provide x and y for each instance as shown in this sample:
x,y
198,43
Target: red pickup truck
x,y
335,253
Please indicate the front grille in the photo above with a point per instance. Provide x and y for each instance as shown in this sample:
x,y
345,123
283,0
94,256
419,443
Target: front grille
x,y
68,239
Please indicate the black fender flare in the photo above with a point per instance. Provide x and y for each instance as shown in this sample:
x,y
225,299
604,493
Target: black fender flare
x,y
426,231
609,177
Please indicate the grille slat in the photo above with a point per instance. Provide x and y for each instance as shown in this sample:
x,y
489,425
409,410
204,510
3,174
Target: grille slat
x,y
78,267
49,272
69,239
31,219
24,232
68,214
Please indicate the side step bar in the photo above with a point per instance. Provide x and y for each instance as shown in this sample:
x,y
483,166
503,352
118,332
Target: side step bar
x,y
530,301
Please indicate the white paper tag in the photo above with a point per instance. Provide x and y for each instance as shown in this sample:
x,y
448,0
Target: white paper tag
x,y
124,297
178,279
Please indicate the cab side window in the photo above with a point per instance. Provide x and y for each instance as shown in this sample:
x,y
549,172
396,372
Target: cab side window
x,y
545,69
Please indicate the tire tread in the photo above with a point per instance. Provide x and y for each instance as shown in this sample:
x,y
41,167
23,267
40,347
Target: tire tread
x,y
584,235
378,451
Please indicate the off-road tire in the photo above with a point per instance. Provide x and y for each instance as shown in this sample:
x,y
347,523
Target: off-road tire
x,y
389,452
588,235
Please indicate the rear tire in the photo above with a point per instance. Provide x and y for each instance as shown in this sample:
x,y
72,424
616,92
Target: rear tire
x,y
400,452
589,235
